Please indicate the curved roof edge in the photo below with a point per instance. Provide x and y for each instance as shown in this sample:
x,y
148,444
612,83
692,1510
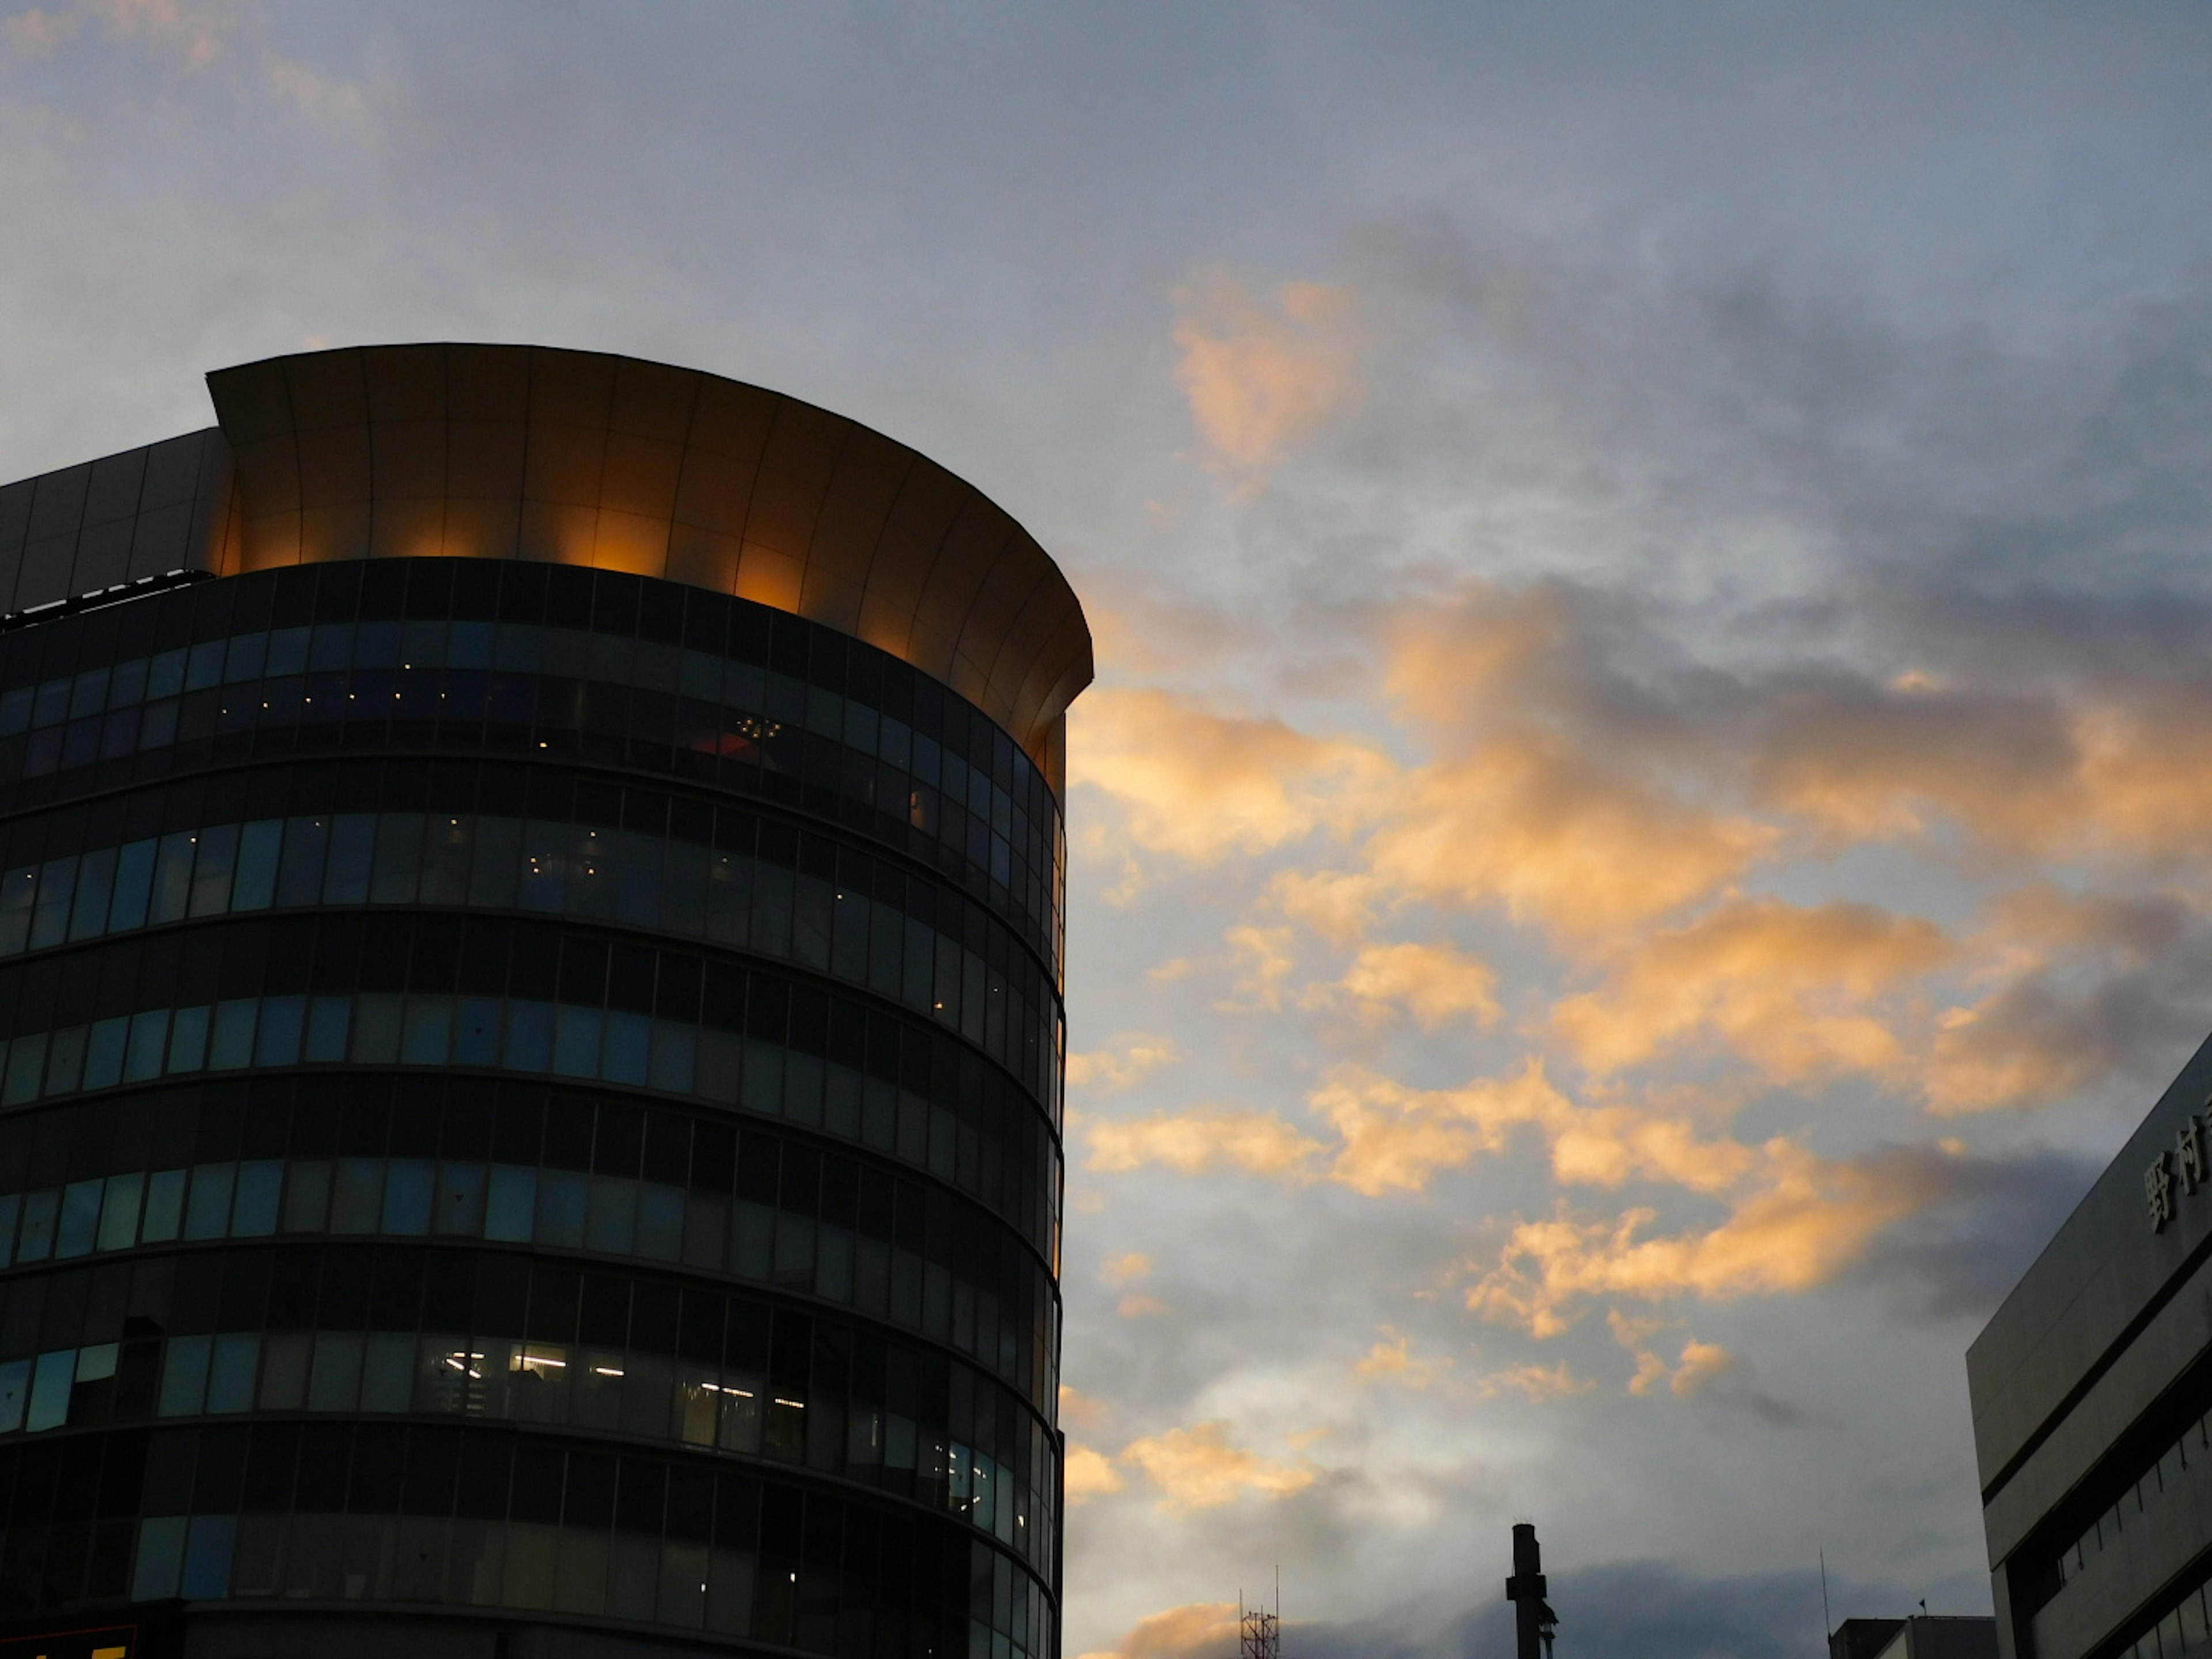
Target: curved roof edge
x,y
585,458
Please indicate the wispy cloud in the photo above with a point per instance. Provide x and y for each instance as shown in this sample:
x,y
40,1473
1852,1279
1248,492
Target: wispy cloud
x,y
1261,373
1199,1468
1202,785
1801,1225
1392,1360
1200,1628
190,36
1196,1143
1535,1383
1108,1071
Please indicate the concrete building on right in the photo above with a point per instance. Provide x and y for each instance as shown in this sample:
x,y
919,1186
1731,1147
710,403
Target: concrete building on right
x,y
2091,1387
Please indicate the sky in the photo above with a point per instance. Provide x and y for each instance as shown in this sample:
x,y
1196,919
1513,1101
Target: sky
x,y
1640,834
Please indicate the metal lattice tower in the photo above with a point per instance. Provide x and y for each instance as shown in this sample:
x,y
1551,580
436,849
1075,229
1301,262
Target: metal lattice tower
x,y
1260,1632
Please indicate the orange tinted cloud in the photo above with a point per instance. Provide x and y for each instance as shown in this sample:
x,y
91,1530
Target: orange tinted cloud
x,y
2120,768
1336,905
1704,1365
1127,1268
1556,837
1544,795
2054,1018
1110,1070
1538,1382
1862,761
1260,376
1197,1468
1396,1138
1262,961
1393,1137
1435,983
1485,656
1802,1222
1088,1474
1125,1272
1791,989
198,31
1080,1409
1195,1143
1202,785
1200,1628
2147,770
1392,1360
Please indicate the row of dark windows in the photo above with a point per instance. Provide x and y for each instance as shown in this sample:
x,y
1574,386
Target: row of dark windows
x,y
648,705
491,1518
638,1396
468,1119
488,957
438,1032
801,772
548,799
763,1208
389,1329
735,900
610,603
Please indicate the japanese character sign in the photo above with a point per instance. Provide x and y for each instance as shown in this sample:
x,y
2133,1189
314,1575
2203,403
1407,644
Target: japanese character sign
x,y
2158,1192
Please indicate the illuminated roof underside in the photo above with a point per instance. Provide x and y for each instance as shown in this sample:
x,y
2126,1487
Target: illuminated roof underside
x,y
579,458
574,457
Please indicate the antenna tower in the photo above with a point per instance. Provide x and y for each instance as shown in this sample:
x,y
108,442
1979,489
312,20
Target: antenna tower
x,y
1260,1632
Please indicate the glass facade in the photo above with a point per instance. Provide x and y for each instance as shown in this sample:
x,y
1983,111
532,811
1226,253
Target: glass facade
x,y
525,1092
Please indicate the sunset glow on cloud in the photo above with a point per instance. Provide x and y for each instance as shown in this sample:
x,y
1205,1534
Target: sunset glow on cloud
x,y
1641,827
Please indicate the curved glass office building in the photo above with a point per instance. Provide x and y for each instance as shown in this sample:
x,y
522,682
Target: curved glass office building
x,y
530,1028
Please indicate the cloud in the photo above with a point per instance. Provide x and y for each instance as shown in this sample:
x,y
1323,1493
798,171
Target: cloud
x,y
1531,822
2083,987
1198,1630
1080,1409
1108,1071
1801,1225
1391,1360
37,32
1126,1271
1088,1474
1703,1364
1857,759
1262,377
1557,787
1956,1261
1127,1268
1632,1333
1538,1382
1435,983
1711,1375
1196,1143
1337,905
1197,1468
1263,961
1796,991
1202,785
1394,1138
193,35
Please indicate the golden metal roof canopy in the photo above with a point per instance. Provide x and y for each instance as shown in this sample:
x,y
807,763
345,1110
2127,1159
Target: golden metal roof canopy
x,y
583,458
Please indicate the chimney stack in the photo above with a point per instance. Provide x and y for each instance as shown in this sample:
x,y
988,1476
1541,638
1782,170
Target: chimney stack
x,y
1533,1621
